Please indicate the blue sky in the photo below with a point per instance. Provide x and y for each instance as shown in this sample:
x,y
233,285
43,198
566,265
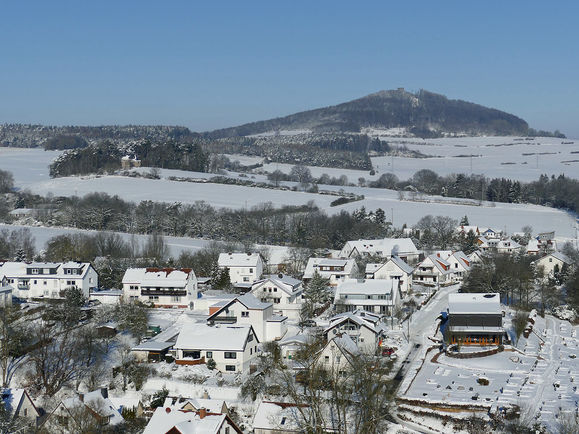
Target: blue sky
x,y
207,65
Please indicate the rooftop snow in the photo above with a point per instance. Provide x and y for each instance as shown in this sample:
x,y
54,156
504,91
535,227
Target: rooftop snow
x,y
474,303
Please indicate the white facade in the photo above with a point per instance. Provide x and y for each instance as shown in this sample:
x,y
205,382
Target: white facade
x,y
163,287
335,270
386,248
364,328
337,355
432,271
243,267
284,292
552,263
376,296
17,403
233,347
47,279
394,269
248,310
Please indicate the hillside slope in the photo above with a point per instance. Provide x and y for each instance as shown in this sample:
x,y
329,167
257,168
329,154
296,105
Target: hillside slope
x,y
423,114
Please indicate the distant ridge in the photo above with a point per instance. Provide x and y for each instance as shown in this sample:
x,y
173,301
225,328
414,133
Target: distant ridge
x,y
424,114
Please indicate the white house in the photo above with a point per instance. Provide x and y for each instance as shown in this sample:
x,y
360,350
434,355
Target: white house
x,y
336,270
379,296
71,413
404,248
395,269
459,265
338,354
508,246
164,287
233,347
432,271
366,329
285,292
18,404
290,345
553,263
243,267
174,420
247,309
48,279
475,257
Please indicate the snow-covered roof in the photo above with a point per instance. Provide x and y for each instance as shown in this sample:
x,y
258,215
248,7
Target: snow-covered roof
x,y
238,259
467,228
361,318
248,300
153,346
283,281
277,416
440,264
404,267
97,403
345,343
6,288
11,399
276,318
562,257
384,247
314,265
365,286
474,303
164,419
159,277
215,338
19,269
211,405
299,339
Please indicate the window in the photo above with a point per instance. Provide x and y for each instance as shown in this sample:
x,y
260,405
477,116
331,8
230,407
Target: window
x,y
245,314
251,270
230,368
250,351
277,300
246,279
175,298
44,282
230,355
133,297
250,338
209,354
153,297
274,289
34,271
226,430
327,359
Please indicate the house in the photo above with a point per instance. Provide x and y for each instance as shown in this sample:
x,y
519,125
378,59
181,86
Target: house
x,y
338,354
465,229
475,257
508,246
290,345
553,263
404,248
173,420
48,279
335,270
366,329
5,295
163,287
216,406
433,271
18,404
543,243
247,309
394,269
232,347
243,267
152,351
128,162
380,296
459,265
474,319
278,418
285,292
83,412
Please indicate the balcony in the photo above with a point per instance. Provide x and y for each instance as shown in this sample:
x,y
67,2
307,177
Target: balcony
x,y
163,292
225,319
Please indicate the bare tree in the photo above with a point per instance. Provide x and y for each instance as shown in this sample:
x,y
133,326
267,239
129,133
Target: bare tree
x,y
13,340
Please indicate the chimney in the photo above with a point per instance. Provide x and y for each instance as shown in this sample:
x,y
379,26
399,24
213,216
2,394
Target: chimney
x,y
104,392
202,413
168,410
205,394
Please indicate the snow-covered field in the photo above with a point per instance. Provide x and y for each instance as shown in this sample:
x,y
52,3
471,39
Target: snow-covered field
x,y
30,171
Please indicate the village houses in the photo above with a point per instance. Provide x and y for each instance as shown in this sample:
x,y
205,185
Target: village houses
x,y
385,248
283,291
335,270
244,268
162,287
34,280
433,270
395,269
552,264
247,309
232,347
380,296
366,329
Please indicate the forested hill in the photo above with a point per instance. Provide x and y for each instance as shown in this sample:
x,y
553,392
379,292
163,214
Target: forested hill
x,y
71,137
423,113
